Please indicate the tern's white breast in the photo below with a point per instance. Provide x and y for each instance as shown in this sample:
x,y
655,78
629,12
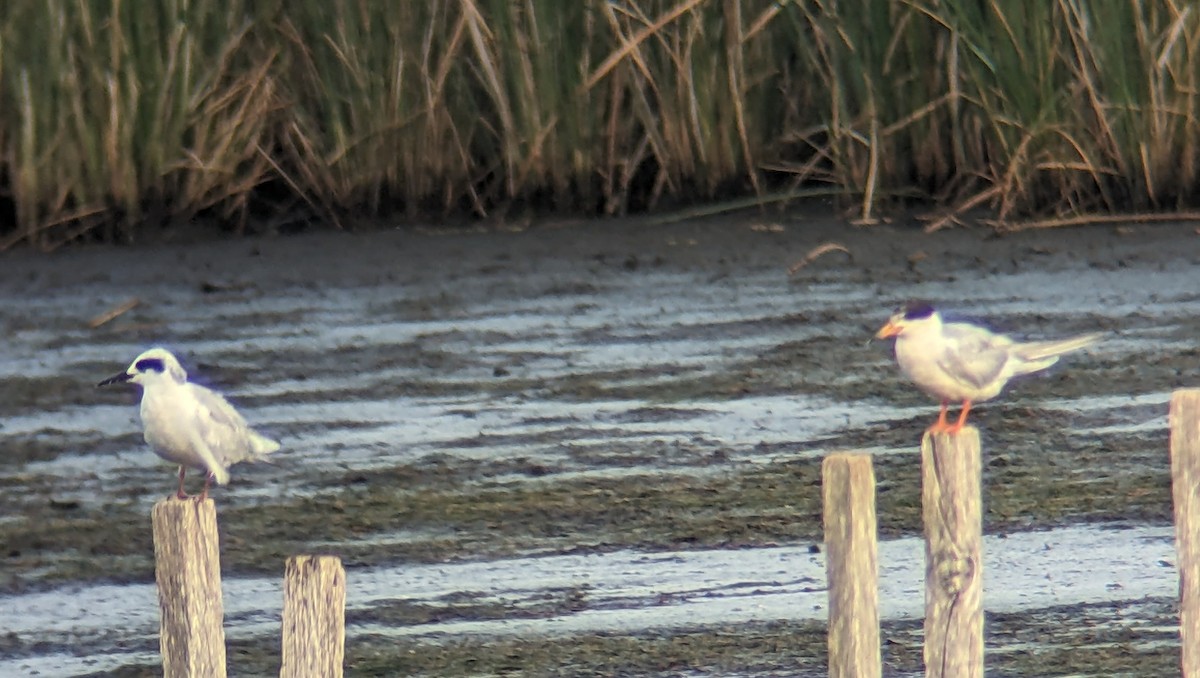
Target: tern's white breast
x,y
169,419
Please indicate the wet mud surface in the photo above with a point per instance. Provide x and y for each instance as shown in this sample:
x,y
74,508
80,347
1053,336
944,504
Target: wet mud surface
x,y
596,390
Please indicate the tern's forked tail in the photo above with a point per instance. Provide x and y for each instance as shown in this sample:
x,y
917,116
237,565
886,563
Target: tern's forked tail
x,y
1040,350
261,446
219,474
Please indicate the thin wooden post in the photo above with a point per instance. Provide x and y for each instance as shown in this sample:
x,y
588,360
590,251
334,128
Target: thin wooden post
x,y
1185,489
187,568
951,496
851,565
314,617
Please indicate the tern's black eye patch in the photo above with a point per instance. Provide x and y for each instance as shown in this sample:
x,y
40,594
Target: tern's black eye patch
x,y
917,311
150,365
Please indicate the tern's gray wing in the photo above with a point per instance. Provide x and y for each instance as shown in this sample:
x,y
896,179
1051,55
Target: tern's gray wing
x,y
222,428
974,355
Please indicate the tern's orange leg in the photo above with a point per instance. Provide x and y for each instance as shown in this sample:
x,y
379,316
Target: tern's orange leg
x,y
204,493
962,418
941,424
180,493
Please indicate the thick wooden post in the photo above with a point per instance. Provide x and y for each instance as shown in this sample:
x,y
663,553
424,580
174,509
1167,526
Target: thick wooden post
x,y
314,617
1185,488
851,565
951,495
187,568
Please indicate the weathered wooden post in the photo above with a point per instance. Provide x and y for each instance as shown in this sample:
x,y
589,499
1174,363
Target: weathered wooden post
x,y
1185,489
314,617
951,496
851,565
187,568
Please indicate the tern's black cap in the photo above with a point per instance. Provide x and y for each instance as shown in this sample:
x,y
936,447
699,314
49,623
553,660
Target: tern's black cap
x,y
917,310
150,365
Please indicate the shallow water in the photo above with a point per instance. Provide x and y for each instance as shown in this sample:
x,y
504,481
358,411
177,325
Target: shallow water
x,y
616,592
694,386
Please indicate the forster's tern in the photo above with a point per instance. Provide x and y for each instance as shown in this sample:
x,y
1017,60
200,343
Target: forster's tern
x,y
188,424
962,362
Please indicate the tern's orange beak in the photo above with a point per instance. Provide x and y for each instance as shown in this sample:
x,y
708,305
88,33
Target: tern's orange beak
x,y
891,329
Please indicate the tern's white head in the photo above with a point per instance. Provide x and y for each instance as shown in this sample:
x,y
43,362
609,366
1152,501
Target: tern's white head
x,y
150,367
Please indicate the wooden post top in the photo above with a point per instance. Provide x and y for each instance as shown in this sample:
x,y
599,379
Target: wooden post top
x,y
968,434
853,459
174,507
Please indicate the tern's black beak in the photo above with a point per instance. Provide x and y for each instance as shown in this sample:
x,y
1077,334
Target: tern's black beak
x,y
116,379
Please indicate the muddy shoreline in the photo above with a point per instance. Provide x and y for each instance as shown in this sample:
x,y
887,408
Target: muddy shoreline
x,y
451,396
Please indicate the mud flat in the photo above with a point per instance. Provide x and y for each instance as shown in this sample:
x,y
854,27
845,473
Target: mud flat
x,y
638,411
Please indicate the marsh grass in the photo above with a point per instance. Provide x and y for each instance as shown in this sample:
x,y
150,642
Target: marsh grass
x,y
116,110
118,116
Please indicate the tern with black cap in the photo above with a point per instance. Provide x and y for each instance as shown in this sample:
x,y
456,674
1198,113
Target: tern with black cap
x,y
188,424
961,362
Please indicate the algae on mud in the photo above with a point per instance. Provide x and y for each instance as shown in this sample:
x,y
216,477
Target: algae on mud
x,y
1050,642
446,515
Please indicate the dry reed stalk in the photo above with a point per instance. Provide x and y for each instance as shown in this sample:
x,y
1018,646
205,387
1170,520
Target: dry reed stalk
x,y
974,201
632,43
114,313
1092,219
815,253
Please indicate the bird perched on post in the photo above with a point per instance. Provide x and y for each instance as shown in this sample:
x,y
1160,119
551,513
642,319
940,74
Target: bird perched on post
x,y
188,424
961,362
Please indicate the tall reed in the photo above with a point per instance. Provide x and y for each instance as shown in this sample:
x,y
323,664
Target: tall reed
x,y
117,116
119,108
